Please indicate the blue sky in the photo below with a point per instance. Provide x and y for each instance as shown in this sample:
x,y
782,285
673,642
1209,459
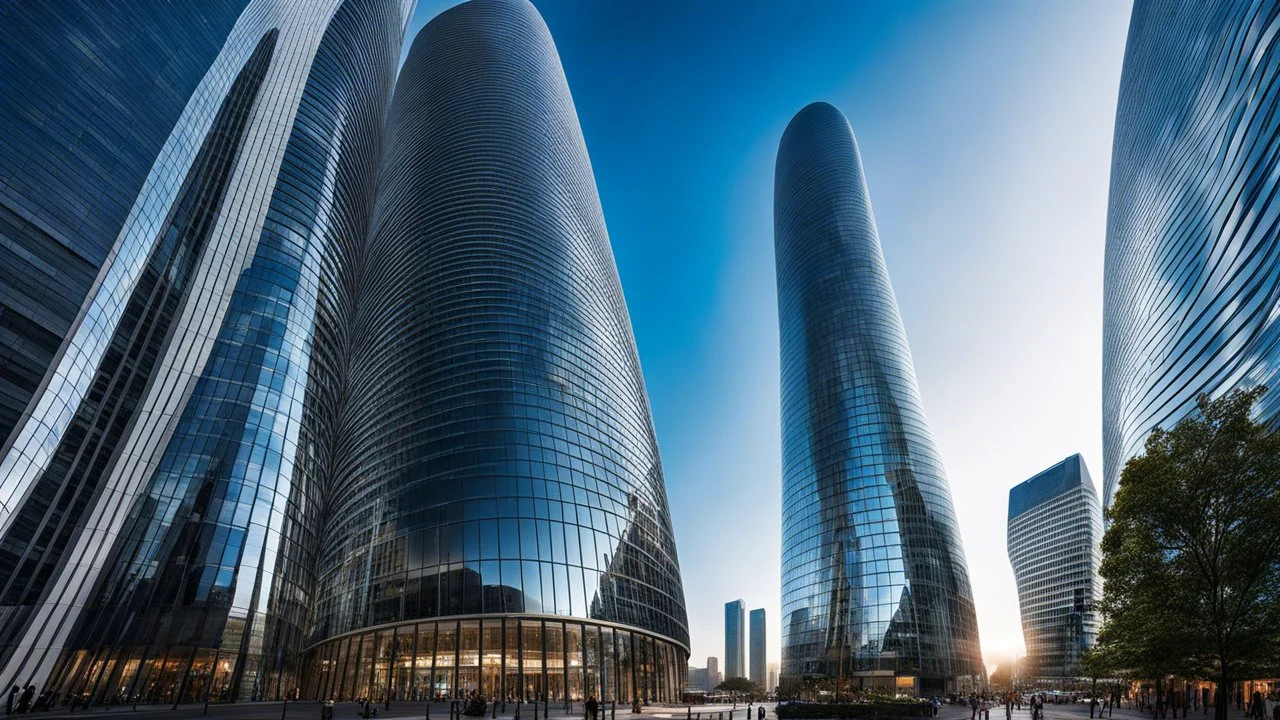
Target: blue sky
x,y
985,129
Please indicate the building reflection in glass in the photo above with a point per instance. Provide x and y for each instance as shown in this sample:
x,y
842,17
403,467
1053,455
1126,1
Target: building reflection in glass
x,y
875,585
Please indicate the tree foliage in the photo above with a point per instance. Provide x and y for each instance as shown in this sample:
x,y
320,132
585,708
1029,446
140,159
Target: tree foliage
x,y
1191,559
740,685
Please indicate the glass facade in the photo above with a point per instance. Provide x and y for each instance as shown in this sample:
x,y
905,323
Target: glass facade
x,y
1193,227
504,462
874,581
118,76
166,530
759,665
352,407
1055,537
508,658
735,639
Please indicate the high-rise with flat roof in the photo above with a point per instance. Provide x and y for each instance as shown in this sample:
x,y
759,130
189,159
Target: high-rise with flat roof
x,y
1193,224
758,662
1055,531
874,582
735,639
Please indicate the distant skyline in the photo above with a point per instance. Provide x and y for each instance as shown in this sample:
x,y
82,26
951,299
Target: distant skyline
x,y
986,133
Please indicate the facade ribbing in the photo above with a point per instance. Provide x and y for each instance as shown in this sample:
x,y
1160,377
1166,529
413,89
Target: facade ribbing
x,y
1193,226
874,581
342,399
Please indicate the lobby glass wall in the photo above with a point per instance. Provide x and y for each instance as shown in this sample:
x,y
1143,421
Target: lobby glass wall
x,y
508,658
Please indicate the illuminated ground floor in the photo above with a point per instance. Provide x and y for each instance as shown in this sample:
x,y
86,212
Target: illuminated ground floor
x,y
506,657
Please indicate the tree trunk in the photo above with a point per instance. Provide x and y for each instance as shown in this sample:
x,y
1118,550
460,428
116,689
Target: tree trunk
x,y
1223,705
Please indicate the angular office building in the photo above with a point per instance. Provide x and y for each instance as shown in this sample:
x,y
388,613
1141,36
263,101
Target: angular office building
x,y
735,639
1193,228
1055,532
498,518
874,582
350,406
758,665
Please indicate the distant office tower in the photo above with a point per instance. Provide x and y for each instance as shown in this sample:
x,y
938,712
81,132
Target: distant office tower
x,y
500,486
874,582
1193,238
713,672
758,662
735,639
699,679
772,685
338,367
1055,531
157,527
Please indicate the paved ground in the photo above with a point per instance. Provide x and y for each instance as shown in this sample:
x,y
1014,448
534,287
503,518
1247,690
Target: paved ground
x,y
440,711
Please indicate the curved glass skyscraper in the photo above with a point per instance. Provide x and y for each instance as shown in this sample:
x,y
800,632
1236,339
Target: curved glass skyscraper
x,y
323,395
874,582
161,492
1055,537
499,521
1193,227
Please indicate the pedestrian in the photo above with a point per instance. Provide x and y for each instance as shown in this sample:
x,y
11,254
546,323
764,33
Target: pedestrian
x,y
973,706
1256,706
24,702
760,712
593,707
13,698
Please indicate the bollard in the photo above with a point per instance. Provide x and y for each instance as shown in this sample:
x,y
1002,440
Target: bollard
x,y
284,708
613,710
495,708
689,714
427,714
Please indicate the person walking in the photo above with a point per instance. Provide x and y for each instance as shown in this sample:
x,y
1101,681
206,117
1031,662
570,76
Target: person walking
x,y
760,712
24,702
13,698
593,708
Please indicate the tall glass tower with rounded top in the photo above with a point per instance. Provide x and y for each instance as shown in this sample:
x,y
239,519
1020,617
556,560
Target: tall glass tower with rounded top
x,y
875,590
498,520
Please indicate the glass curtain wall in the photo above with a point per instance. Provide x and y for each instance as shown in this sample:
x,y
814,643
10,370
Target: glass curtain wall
x,y
513,659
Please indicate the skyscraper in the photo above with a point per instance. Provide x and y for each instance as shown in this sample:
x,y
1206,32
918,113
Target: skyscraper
x,y
735,639
772,684
713,672
1055,531
1193,241
346,367
167,428
874,581
758,662
81,125
501,481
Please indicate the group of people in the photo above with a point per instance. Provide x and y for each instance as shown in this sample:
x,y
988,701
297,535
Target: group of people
x,y
22,701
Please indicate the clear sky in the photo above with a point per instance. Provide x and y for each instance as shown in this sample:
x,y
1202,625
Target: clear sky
x,y
985,130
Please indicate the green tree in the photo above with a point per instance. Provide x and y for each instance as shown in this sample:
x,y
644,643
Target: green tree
x,y
1191,559
740,685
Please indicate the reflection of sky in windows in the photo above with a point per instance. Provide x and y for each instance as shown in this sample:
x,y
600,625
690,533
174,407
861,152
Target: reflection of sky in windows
x,y
872,562
1193,262
520,472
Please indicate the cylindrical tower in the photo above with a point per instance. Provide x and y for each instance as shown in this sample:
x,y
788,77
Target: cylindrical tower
x,y
499,520
873,570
